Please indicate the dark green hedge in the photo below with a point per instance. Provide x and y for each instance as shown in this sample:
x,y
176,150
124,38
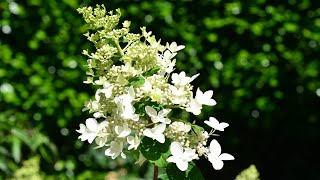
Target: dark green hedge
x,y
261,58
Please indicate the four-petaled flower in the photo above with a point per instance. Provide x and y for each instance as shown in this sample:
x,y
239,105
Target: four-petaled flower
x,y
205,98
181,157
195,105
91,129
181,79
115,150
215,156
158,117
156,132
122,131
214,123
173,47
133,141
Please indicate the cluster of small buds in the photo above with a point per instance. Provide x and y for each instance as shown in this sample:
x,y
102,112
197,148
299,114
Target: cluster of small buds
x,y
137,89
179,132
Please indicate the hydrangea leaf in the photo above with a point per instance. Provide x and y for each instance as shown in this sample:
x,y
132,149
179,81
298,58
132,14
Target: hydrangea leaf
x,y
174,173
191,173
152,149
151,71
140,106
136,81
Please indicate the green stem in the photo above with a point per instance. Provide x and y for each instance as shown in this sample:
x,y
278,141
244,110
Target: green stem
x,y
118,47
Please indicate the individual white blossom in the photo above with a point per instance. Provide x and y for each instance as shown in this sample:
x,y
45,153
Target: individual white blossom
x,y
156,132
194,107
101,141
126,109
181,79
115,150
166,62
158,117
214,123
173,47
179,95
181,157
122,131
91,129
205,98
134,142
215,156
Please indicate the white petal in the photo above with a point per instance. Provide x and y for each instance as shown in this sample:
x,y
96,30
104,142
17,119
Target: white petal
x,y
108,152
97,114
92,124
182,165
82,128
131,92
213,122
118,129
217,164
210,102
179,47
208,94
123,155
215,148
224,125
103,124
159,129
160,138
166,120
164,112
176,149
199,93
226,156
91,137
194,107
194,77
172,159
148,133
130,139
189,154
97,96
151,111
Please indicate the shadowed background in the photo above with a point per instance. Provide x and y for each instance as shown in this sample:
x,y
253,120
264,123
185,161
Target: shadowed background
x,y
261,59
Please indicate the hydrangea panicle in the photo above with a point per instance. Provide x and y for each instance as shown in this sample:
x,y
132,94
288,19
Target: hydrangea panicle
x,y
136,91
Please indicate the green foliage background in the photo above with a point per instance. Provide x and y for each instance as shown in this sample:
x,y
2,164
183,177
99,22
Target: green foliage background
x,y
261,58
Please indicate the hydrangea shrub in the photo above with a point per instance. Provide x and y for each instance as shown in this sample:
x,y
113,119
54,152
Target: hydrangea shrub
x,y
137,88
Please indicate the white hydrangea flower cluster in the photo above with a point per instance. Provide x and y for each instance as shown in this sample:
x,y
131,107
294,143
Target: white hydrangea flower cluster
x,y
137,90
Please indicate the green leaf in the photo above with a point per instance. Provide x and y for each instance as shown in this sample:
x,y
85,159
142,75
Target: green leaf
x,y
174,173
37,140
197,129
139,106
192,173
22,136
136,81
4,166
16,149
152,71
134,153
152,149
4,151
162,161
163,177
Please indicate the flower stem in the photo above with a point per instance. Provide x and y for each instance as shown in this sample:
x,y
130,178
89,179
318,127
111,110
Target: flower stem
x,y
119,48
155,172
